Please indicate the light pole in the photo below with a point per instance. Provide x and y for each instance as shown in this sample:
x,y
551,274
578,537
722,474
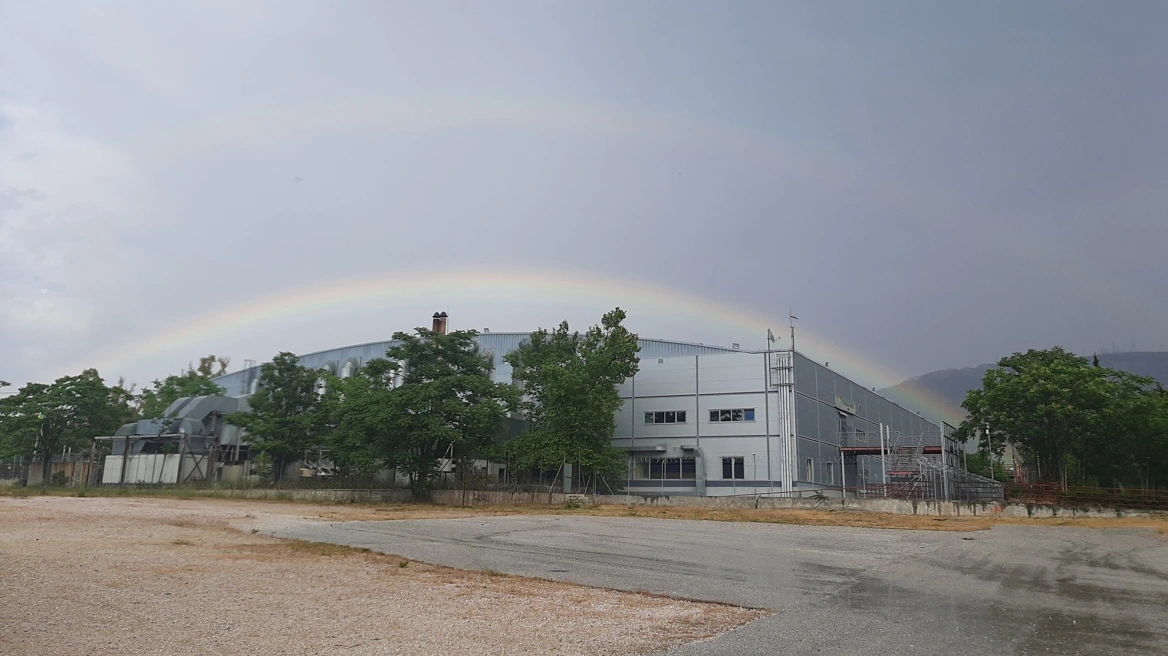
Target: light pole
x,y
990,442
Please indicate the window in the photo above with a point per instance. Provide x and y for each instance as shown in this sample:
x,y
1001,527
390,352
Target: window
x,y
734,414
665,417
845,427
829,472
734,468
657,469
810,473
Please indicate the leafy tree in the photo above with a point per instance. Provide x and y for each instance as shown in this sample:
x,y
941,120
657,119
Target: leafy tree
x,y
195,381
44,419
286,414
1070,419
571,380
361,412
1045,403
1132,446
446,404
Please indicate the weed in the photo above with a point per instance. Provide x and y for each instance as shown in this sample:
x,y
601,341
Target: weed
x,y
182,542
403,564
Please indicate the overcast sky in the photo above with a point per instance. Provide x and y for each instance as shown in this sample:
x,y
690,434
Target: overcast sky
x,y
929,184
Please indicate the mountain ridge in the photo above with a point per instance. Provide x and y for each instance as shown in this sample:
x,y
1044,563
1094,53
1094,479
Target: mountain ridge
x,y
951,385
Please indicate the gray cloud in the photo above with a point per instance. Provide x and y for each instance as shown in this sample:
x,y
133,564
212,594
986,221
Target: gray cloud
x,y
929,185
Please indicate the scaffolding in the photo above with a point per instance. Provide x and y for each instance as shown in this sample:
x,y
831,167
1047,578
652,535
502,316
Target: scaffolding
x,y
912,467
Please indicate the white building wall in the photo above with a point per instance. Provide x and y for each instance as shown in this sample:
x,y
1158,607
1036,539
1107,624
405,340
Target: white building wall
x,y
735,383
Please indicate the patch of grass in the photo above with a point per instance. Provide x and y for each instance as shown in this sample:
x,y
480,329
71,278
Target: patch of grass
x,y
319,548
159,491
403,564
182,542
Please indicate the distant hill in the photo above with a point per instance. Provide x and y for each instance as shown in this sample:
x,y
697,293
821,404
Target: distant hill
x,y
951,385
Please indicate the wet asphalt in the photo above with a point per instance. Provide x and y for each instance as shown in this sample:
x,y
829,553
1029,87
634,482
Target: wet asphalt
x,y
833,590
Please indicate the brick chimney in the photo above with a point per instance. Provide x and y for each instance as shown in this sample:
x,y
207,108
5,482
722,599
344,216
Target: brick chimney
x,y
439,323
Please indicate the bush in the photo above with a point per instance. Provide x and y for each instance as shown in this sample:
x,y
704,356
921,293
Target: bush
x,y
59,479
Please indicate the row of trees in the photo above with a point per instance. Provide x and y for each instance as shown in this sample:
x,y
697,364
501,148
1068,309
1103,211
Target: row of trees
x,y
48,419
432,399
42,420
1071,420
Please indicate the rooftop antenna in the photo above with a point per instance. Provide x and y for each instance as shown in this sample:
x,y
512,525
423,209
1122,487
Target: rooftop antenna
x,y
793,319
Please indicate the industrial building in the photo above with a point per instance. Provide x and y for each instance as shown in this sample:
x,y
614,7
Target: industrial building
x,y
775,421
708,420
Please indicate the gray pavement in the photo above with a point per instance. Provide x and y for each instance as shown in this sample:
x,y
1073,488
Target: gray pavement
x,y
1013,589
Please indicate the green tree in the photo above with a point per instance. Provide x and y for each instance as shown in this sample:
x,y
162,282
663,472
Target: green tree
x,y
361,411
286,414
446,406
571,381
1132,445
1069,419
45,419
195,381
1045,403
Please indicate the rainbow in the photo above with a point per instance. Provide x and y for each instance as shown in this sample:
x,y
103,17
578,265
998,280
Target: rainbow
x,y
517,286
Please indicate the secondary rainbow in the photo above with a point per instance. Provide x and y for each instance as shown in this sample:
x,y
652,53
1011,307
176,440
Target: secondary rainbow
x,y
533,286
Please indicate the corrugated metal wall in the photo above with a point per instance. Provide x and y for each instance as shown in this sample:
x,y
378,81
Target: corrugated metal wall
x,y
827,403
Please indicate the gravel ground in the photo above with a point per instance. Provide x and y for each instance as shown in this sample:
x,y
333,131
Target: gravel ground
x,y
160,576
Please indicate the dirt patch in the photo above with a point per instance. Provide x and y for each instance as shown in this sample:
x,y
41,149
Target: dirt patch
x,y
154,576
274,513
861,519
853,518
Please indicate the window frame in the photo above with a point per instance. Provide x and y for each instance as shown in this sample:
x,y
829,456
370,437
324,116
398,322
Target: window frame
x,y
732,415
657,417
737,468
681,468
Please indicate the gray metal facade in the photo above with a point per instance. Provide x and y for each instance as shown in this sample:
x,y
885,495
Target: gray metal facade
x,y
828,406
789,417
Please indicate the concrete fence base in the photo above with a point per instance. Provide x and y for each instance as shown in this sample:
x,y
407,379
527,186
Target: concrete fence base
x,y
493,498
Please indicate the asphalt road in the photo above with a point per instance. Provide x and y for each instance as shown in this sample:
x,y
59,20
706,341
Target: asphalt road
x,y
1011,590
